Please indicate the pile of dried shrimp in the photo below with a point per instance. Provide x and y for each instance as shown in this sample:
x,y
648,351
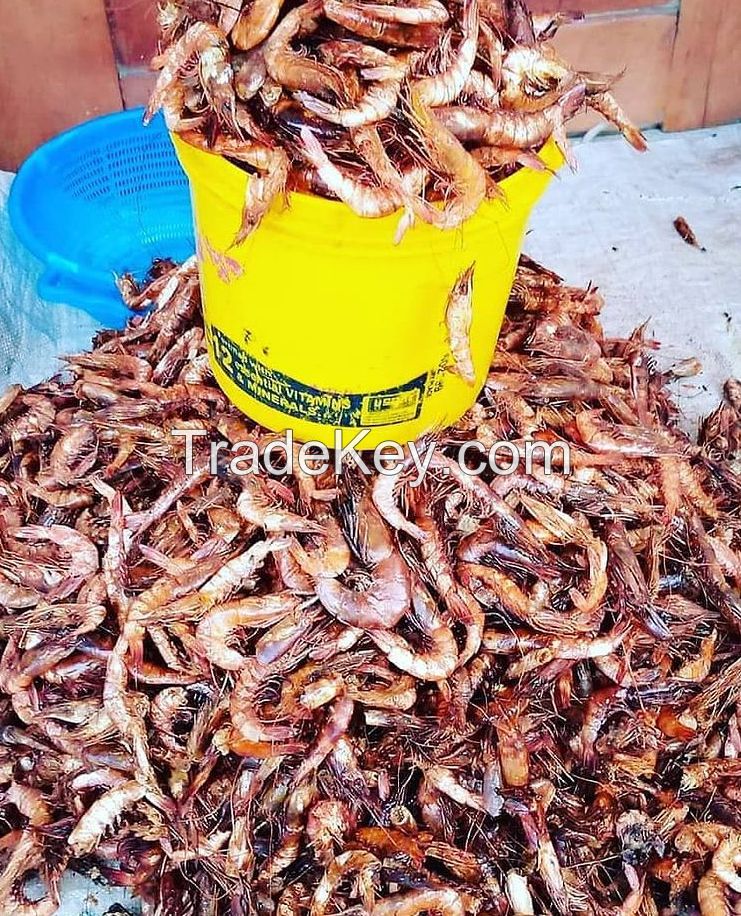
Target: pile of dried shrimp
x,y
292,695
386,106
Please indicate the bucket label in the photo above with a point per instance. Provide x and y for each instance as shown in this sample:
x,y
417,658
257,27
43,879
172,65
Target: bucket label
x,y
295,399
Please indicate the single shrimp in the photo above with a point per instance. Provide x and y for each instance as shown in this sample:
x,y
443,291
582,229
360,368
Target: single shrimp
x,y
168,708
244,706
331,558
118,365
256,506
600,706
443,901
102,815
577,649
238,573
458,600
712,895
209,46
288,633
463,685
329,822
121,708
622,440
370,146
692,487
355,18
26,856
434,813
175,592
710,571
263,188
512,753
220,624
384,494
394,692
445,781
533,78
435,663
497,157
73,457
531,609
630,583
367,867
334,728
458,320
83,554
514,130
240,857
607,105
365,200
416,13
518,894
289,848
443,88
290,572
250,73
296,71
255,23
381,605
30,802
727,862
468,179
377,102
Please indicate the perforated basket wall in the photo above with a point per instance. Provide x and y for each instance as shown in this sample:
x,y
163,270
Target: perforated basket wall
x,y
105,198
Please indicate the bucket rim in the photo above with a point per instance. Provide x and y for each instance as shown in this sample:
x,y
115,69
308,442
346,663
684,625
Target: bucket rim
x,y
221,178
552,157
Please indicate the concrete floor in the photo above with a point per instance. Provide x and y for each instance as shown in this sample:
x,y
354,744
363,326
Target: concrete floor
x,y
610,224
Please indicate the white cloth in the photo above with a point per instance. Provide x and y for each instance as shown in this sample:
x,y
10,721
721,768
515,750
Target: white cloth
x,y
33,333
611,224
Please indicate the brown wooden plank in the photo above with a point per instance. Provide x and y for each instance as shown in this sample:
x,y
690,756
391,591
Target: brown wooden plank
x,y
639,44
689,80
58,69
589,6
706,68
134,29
724,94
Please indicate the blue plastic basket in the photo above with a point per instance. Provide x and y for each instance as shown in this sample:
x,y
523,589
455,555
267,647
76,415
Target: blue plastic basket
x,y
104,198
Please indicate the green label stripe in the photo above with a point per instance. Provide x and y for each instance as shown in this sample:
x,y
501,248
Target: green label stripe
x,y
295,399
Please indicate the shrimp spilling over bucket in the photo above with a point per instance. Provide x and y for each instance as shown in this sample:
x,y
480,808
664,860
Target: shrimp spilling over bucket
x,y
384,106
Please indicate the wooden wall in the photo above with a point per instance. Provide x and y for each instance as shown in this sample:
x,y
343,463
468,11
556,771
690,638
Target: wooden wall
x,y
65,62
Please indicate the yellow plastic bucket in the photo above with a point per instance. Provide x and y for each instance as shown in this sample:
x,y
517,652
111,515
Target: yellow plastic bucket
x,y
319,322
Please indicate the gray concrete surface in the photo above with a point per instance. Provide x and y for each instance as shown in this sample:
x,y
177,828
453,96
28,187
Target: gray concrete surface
x,y
610,224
